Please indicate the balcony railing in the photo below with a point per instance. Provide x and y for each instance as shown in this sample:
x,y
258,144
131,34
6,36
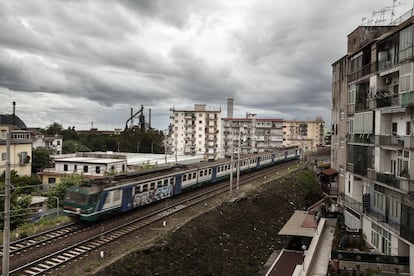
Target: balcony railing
x,y
364,71
351,202
384,221
401,183
361,138
395,141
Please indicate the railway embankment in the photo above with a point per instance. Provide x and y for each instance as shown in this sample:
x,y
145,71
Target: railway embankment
x,y
235,237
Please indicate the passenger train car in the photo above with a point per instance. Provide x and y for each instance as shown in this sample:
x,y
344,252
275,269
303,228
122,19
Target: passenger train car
x,y
95,199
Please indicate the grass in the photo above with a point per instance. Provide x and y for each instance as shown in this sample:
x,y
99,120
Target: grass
x,y
43,224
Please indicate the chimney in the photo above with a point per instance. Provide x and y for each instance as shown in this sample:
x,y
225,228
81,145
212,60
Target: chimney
x,y
230,102
14,113
149,119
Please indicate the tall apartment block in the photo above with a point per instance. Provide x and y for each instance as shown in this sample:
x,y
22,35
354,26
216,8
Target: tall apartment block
x,y
251,134
307,134
196,132
372,136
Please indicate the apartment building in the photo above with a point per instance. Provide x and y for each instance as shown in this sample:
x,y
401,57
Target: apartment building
x,y
196,132
251,134
372,136
308,134
20,145
54,143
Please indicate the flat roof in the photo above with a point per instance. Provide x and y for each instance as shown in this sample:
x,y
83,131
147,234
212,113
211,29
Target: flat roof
x,y
90,160
300,224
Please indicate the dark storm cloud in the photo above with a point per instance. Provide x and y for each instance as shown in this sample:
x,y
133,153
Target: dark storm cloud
x,y
90,57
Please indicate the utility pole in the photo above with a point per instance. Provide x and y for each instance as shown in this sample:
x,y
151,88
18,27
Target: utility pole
x,y
6,229
231,159
238,161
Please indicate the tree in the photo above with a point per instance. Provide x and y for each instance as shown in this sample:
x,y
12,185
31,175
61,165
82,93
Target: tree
x,y
59,189
41,159
72,146
54,128
20,197
69,134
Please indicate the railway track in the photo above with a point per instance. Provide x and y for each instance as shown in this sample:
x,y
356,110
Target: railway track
x,y
61,256
42,238
51,261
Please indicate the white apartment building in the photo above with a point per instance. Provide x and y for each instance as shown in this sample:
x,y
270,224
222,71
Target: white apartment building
x,y
251,134
52,142
196,132
374,153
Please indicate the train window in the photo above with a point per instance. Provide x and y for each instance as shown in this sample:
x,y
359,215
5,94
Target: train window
x,y
145,187
209,171
165,182
205,172
137,189
189,176
218,169
201,173
194,175
152,186
172,180
117,195
159,183
184,177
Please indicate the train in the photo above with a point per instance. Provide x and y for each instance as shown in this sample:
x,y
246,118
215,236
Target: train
x,y
96,199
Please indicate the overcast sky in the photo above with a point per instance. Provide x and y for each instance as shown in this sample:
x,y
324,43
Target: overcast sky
x,y
78,62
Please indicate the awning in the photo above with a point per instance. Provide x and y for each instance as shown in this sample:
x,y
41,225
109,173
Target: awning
x,y
300,224
329,172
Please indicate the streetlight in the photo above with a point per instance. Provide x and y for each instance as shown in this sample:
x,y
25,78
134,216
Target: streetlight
x,y
57,205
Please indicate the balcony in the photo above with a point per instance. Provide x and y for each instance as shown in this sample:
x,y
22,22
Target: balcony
x,y
361,138
401,183
362,72
351,203
395,141
407,98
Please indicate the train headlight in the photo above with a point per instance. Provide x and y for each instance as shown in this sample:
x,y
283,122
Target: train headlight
x,y
78,210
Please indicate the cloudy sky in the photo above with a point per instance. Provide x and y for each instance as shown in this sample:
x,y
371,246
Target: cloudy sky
x,y
78,62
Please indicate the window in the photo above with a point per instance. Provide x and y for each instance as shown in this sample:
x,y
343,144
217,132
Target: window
x,y
58,142
3,156
184,177
51,180
351,94
408,128
152,185
65,167
98,169
75,168
201,173
379,200
165,182
85,169
145,187
117,195
405,83
394,128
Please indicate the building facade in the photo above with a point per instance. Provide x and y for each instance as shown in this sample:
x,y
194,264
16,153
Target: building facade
x,y
308,134
251,134
372,117
196,132
20,145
